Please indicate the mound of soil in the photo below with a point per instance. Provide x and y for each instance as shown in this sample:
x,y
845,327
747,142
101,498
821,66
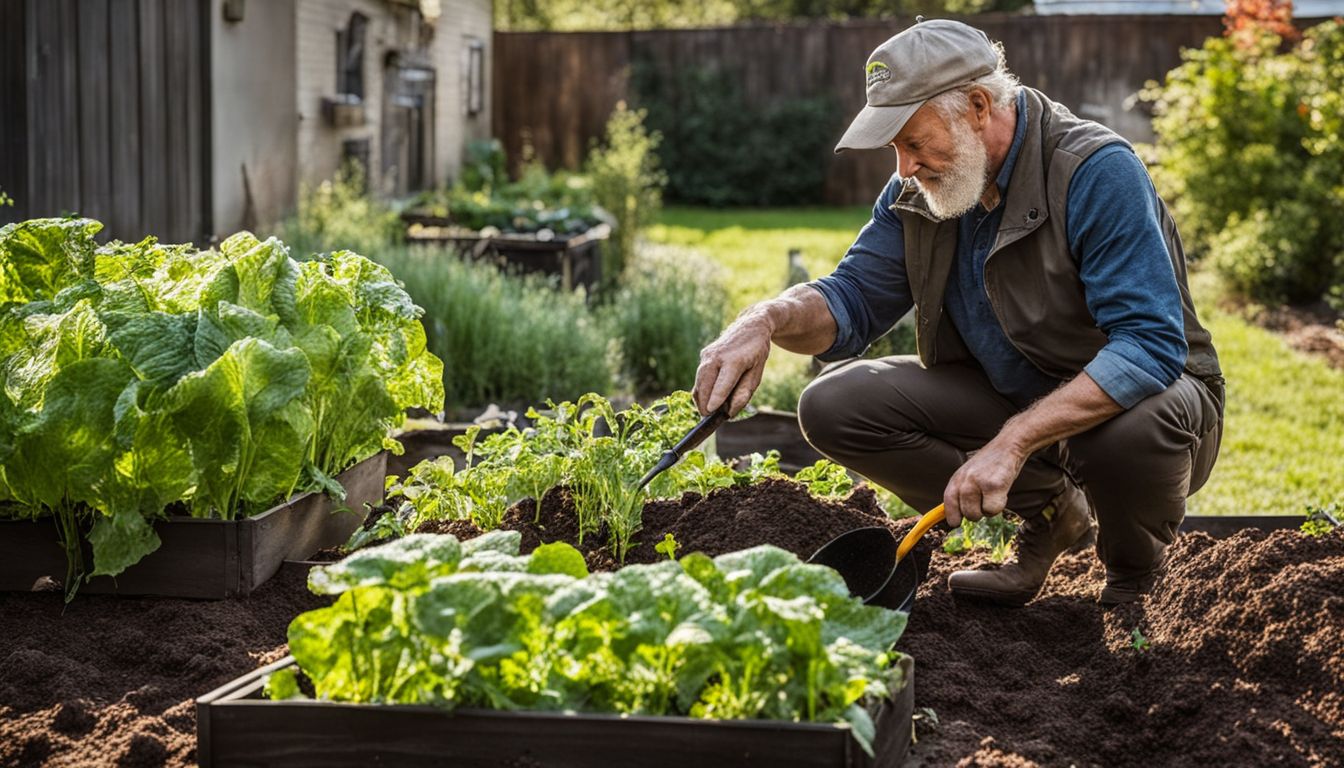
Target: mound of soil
x,y
1245,663
777,511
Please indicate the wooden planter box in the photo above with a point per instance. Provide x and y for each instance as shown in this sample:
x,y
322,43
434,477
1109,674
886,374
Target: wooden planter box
x,y
768,429
198,558
576,260
235,726
1222,526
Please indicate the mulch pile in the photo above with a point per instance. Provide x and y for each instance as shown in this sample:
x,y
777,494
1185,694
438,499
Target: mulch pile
x,y
1245,663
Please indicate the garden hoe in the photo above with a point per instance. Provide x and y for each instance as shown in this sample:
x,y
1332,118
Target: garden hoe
x,y
874,567
693,438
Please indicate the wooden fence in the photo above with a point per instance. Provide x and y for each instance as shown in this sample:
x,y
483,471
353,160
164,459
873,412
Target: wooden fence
x,y
555,90
104,112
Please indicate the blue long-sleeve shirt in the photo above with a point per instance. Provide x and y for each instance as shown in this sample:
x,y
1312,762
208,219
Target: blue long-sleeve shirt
x,y
1115,237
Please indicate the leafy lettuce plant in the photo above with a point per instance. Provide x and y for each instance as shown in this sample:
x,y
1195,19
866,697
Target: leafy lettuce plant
x,y
752,634
135,377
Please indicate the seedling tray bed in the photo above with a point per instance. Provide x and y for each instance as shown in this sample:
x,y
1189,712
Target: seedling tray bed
x,y
236,726
210,559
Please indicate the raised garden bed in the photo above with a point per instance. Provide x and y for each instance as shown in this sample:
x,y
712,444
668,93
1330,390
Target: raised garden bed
x,y
1243,666
576,260
236,726
201,558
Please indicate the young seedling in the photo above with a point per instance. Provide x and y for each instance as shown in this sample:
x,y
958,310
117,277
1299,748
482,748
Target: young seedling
x,y
1138,642
1321,520
668,546
926,717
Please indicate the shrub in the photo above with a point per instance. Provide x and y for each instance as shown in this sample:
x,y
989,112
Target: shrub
x,y
670,307
502,338
719,150
483,165
339,214
1249,150
627,182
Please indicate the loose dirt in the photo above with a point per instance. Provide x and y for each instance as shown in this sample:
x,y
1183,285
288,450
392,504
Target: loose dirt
x,y
1244,664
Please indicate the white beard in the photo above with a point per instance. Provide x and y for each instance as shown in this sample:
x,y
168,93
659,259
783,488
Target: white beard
x,y
958,189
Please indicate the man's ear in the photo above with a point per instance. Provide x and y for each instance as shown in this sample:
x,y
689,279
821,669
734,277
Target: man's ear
x,y
981,107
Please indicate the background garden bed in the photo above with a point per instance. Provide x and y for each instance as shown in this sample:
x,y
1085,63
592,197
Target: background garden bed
x,y
201,558
1242,668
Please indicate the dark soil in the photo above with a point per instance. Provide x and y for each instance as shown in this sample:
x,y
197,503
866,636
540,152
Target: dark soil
x,y
778,512
1245,664
1315,329
111,681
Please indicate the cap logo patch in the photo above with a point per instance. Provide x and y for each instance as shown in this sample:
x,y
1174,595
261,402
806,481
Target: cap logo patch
x,y
877,73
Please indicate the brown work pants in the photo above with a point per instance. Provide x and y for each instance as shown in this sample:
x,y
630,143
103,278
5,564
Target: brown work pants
x,y
908,429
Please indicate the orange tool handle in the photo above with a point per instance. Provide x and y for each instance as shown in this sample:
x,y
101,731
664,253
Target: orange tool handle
x,y
931,518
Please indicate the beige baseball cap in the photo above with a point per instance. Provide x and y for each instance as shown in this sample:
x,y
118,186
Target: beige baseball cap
x,y
909,69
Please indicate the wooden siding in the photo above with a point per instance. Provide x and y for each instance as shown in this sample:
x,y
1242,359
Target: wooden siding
x,y
105,102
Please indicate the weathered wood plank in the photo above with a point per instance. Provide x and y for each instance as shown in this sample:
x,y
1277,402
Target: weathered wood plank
x,y
14,110
91,55
154,118
177,149
124,120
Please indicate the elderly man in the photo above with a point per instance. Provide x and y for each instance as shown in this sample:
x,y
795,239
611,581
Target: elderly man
x,y
1062,372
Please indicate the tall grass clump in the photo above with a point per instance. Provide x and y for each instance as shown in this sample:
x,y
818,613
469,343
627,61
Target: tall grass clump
x,y
502,338
670,306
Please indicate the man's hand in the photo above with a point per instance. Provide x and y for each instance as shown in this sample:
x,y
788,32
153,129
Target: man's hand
x,y
980,487
732,365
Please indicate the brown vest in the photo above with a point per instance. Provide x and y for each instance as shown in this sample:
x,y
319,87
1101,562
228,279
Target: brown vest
x,y
1030,276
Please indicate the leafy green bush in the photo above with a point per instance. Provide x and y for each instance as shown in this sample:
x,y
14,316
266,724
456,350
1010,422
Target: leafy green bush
x,y
561,203
1249,151
502,338
669,308
340,214
753,634
719,150
139,376
627,182
483,165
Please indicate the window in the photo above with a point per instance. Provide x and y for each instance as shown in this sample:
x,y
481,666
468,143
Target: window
x,y
475,76
350,57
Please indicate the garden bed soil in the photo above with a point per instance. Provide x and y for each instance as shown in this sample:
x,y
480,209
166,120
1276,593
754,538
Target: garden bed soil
x,y
1314,329
1245,664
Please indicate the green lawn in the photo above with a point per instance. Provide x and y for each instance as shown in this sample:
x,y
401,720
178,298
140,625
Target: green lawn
x,y
1285,419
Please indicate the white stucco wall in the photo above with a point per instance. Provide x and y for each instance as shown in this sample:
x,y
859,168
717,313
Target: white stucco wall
x,y
391,27
252,115
461,21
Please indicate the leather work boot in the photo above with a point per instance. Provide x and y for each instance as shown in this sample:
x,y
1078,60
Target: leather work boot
x,y
1040,539
1119,591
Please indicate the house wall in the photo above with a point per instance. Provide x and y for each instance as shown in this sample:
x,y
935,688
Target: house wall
x,y
460,22
253,120
391,27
